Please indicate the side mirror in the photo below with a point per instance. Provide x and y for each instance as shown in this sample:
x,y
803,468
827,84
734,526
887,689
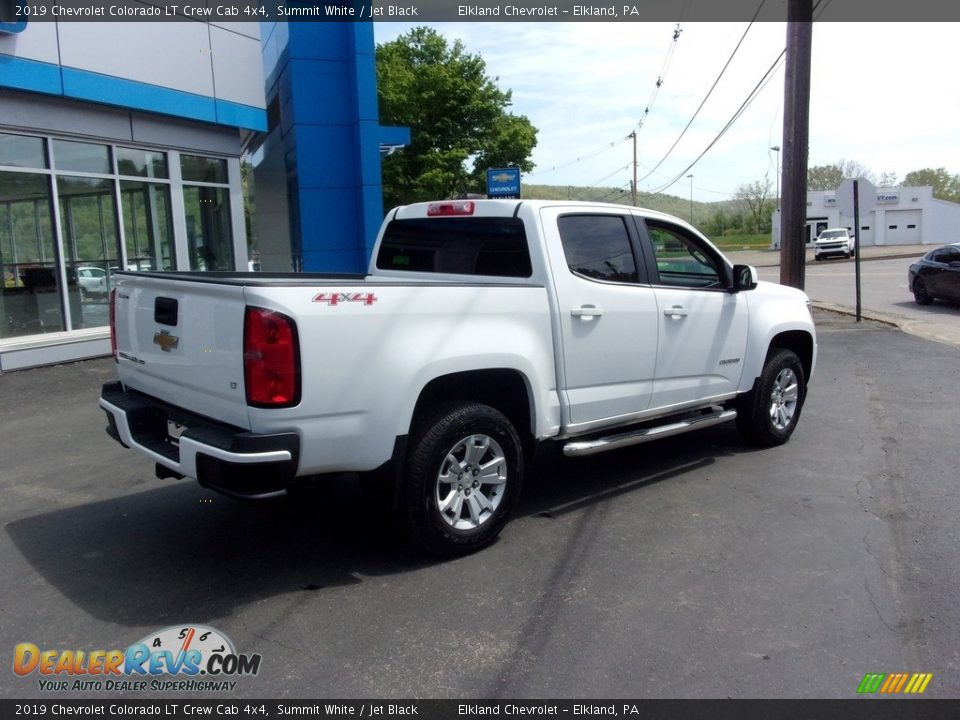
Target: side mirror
x,y
744,278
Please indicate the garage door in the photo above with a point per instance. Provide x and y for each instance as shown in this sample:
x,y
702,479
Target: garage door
x,y
903,227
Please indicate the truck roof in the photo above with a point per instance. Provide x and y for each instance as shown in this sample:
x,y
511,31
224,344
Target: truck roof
x,y
483,207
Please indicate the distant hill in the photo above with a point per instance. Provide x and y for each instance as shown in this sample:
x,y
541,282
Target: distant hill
x,y
664,203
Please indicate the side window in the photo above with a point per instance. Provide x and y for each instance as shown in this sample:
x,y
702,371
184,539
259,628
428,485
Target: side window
x,y
598,247
681,262
946,255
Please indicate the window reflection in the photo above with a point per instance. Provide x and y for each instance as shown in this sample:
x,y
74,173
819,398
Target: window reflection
x,y
21,151
82,157
88,215
147,226
209,236
143,163
203,169
29,301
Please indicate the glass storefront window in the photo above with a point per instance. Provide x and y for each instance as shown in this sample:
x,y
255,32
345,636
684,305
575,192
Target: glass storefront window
x,y
147,226
114,209
82,157
88,214
29,298
209,236
22,151
203,169
142,163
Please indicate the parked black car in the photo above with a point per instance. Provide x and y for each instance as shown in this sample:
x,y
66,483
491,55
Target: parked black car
x,y
936,276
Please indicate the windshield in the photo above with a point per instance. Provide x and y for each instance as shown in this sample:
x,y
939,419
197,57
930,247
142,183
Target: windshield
x,y
833,234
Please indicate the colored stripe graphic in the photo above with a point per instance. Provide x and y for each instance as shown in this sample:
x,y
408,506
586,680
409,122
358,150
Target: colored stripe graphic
x,y
894,683
918,683
870,683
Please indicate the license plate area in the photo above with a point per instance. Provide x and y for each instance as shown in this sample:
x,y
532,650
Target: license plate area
x,y
174,431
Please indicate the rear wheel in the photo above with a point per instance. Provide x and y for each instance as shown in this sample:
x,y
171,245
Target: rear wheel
x,y
461,478
768,415
920,293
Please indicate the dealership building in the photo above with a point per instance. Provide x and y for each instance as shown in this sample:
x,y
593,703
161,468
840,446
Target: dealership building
x,y
121,147
888,216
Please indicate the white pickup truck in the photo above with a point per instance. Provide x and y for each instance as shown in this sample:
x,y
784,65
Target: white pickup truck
x,y
834,241
484,329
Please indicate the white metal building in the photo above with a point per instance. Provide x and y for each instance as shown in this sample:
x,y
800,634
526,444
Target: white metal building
x,y
898,216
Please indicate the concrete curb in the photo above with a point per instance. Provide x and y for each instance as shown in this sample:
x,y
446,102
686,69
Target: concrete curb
x,y
918,328
811,261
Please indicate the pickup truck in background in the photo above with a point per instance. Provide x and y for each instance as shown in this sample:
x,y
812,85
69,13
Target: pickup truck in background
x,y
834,241
483,330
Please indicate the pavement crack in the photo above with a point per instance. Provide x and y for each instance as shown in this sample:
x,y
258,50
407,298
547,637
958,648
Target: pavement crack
x,y
876,609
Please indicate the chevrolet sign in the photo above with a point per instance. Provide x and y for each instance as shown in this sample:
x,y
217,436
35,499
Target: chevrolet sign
x,y
503,183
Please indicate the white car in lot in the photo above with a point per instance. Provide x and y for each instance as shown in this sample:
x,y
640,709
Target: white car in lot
x,y
93,282
834,241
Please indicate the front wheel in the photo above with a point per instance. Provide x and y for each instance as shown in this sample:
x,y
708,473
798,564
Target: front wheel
x,y
920,293
461,478
768,415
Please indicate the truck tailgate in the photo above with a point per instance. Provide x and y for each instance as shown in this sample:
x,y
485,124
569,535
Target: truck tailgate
x,y
182,340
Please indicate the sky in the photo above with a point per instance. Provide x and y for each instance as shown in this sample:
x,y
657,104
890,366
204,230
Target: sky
x,y
885,95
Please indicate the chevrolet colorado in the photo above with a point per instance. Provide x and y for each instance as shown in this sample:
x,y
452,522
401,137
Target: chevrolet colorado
x,y
483,330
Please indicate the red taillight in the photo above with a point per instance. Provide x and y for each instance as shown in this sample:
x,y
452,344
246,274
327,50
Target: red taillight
x,y
271,359
451,207
113,325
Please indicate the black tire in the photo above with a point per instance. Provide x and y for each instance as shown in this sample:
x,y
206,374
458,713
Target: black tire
x,y
920,293
768,415
474,436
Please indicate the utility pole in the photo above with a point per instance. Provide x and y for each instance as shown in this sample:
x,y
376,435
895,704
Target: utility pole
x,y
633,185
796,138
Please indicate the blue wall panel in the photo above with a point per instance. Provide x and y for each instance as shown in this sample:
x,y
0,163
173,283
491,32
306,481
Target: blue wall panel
x,y
30,75
327,156
109,90
324,77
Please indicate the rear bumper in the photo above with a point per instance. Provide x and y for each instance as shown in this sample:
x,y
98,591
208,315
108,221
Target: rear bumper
x,y
221,457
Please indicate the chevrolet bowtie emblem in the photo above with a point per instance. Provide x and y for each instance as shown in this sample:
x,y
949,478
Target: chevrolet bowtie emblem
x,y
166,341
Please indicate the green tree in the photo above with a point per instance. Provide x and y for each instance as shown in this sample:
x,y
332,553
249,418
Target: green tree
x,y
456,114
824,177
829,177
945,186
755,196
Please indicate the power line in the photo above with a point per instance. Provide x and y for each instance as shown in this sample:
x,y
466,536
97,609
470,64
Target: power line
x,y
660,80
746,103
709,93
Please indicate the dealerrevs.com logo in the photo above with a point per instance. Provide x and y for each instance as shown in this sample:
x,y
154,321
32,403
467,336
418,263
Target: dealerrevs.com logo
x,y
196,657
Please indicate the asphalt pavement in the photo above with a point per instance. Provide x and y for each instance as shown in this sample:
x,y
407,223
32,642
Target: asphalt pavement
x,y
693,568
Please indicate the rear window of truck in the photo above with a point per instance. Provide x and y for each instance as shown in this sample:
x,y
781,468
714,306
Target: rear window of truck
x,y
462,246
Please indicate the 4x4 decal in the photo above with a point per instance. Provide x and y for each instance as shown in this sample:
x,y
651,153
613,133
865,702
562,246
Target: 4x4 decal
x,y
335,298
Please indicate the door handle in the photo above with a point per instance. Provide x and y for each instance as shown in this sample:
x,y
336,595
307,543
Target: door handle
x,y
587,312
677,311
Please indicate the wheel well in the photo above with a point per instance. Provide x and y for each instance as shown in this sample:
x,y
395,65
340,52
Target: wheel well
x,y
799,342
505,390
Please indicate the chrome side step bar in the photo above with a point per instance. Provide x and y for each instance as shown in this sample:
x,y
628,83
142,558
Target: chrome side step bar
x,y
635,437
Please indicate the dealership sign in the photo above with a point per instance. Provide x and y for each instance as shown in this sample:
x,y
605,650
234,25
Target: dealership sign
x,y
503,183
